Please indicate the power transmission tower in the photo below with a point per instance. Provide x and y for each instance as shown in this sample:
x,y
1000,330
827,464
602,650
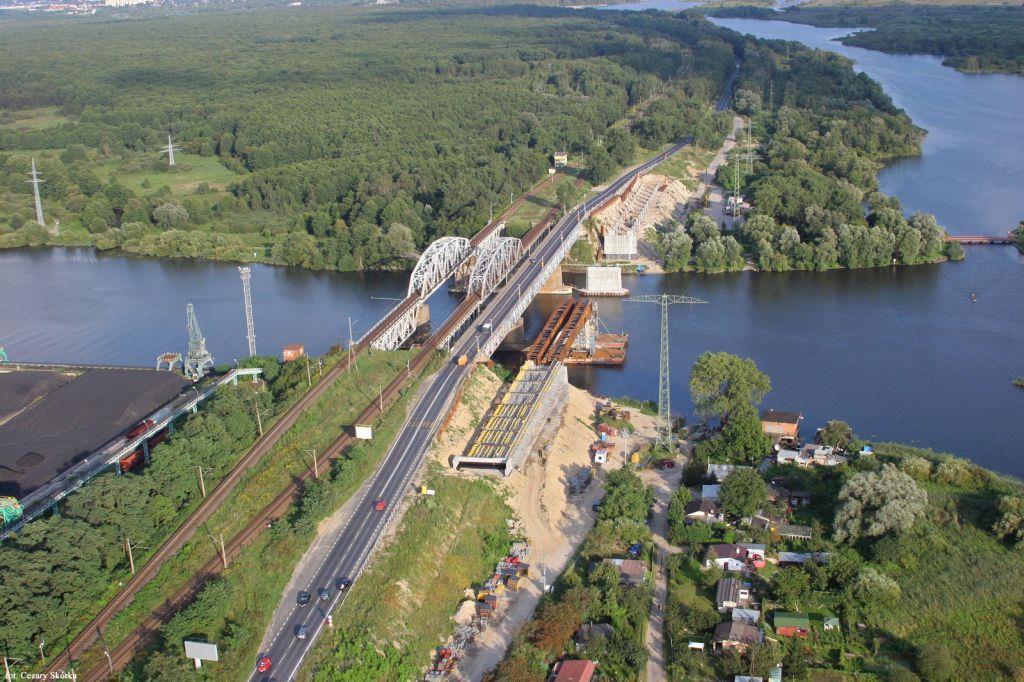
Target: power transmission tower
x,y
665,439
169,150
198,360
34,181
250,330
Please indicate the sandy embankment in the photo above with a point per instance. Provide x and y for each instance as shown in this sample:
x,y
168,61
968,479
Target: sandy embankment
x,y
553,522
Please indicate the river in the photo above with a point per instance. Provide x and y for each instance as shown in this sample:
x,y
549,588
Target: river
x,y
901,354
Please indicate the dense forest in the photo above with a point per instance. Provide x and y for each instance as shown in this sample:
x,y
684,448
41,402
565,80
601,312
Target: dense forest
x,y
819,133
343,139
971,38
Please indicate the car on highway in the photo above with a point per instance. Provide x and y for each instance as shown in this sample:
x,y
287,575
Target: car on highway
x,y
302,632
264,664
303,598
380,505
343,584
324,593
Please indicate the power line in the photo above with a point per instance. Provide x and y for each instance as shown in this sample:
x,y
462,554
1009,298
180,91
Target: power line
x,y
666,438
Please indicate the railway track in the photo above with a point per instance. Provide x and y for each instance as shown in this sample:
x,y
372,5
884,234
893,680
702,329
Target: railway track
x,y
92,632
123,653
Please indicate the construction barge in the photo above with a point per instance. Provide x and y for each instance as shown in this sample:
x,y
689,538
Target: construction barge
x,y
570,337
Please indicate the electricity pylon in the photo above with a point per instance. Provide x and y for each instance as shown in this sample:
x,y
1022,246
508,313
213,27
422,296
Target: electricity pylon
x,y
34,181
246,275
665,439
169,150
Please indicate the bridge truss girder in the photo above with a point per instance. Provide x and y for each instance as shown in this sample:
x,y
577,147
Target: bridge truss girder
x,y
495,259
400,330
437,263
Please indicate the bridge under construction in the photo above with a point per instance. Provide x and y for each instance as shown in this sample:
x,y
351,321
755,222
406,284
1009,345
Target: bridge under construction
x,y
570,336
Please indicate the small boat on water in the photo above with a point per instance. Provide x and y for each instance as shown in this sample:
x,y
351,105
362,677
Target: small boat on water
x,y
974,297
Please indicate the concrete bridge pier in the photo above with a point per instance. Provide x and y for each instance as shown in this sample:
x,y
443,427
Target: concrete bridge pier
x,y
555,285
422,315
516,338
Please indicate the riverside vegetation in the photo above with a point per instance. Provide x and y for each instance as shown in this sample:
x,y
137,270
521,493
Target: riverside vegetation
x,y
924,553
330,139
974,39
820,132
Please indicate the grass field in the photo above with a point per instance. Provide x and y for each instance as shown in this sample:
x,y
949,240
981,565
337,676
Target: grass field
x,y
34,119
402,607
189,171
317,428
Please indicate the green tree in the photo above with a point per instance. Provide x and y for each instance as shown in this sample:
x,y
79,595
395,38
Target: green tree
x,y
935,663
626,496
567,193
791,586
721,382
743,441
836,433
743,492
872,504
1010,525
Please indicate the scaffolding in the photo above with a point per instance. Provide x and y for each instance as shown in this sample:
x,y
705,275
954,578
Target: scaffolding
x,y
514,423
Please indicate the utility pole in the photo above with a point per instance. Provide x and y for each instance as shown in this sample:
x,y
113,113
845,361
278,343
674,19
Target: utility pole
x,y
42,657
380,390
250,332
665,439
202,483
316,467
259,420
309,379
348,368
131,556
223,554
34,181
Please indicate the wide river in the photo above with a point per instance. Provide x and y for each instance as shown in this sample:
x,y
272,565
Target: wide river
x,y
901,354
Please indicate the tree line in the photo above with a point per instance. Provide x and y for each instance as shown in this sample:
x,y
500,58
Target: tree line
x,y
356,145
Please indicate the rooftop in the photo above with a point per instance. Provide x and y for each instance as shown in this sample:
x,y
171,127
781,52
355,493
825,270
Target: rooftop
x,y
781,417
574,671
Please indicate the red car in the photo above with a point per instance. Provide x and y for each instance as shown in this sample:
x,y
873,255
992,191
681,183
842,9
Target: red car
x,y
380,505
264,664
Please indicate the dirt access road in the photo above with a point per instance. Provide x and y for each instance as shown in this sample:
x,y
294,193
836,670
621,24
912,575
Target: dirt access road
x,y
664,482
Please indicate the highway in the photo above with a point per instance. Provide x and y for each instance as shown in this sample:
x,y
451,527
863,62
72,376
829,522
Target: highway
x,y
357,538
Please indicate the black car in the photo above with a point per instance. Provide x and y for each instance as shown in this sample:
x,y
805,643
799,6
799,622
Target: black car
x,y
304,598
342,584
302,632
324,593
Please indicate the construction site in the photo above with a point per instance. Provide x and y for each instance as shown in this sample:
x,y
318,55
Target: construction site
x,y
571,335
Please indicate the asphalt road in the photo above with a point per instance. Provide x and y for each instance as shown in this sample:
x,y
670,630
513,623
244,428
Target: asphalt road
x,y
357,538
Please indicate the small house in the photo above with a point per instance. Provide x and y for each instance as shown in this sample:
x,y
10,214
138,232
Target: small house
x,y
791,624
830,622
718,472
705,511
601,456
731,593
710,491
793,532
293,351
726,557
588,632
560,159
797,457
608,430
748,616
631,571
779,491
747,678
823,455
574,671
766,521
695,646
775,674
779,425
732,635
755,554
